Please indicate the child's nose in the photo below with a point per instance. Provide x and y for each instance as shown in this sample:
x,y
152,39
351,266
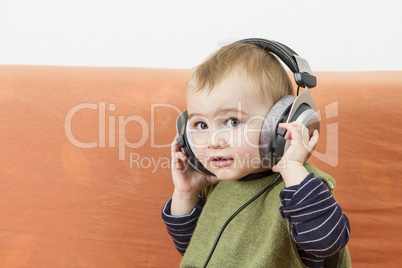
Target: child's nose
x,y
219,139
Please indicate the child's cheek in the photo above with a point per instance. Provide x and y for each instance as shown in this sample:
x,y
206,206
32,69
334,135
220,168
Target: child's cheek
x,y
235,137
251,134
199,141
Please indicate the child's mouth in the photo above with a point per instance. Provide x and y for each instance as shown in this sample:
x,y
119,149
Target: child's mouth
x,y
221,161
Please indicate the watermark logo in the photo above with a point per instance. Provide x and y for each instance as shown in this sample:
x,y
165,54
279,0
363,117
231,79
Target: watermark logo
x,y
122,122
331,154
107,137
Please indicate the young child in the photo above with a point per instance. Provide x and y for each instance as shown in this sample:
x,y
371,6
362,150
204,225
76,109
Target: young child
x,y
296,222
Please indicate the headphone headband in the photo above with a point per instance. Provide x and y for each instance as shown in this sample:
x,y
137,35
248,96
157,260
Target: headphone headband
x,y
299,66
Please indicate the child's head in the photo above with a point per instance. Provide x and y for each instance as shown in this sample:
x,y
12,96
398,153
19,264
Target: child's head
x,y
228,97
265,73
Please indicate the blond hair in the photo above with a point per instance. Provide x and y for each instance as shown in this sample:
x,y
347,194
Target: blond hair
x,y
266,74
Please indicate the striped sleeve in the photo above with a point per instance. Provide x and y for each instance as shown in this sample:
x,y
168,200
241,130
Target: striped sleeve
x,y
181,228
320,229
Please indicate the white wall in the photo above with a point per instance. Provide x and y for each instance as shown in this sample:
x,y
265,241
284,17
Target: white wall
x,y
340,35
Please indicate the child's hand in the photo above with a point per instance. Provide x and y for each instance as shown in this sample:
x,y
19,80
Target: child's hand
x,y
187,182
291,165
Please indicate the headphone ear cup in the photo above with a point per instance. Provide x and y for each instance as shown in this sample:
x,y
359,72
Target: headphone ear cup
x,y
276,115
311,120
279,145
305,115
185,144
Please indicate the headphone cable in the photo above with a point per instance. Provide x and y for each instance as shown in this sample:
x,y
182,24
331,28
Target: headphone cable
x,y
235,214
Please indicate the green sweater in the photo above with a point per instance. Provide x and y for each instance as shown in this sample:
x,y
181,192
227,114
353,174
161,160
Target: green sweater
x,y
257,237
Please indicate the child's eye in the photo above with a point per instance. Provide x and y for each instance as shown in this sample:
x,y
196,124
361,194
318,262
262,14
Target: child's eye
x,y
200,125
233,122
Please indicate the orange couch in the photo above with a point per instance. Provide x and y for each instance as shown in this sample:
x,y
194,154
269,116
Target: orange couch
x,y
84,163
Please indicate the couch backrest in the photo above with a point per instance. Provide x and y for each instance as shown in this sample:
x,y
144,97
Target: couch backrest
x,y
85,157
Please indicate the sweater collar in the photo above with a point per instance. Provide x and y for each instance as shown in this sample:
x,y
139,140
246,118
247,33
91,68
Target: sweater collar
x,y
256,176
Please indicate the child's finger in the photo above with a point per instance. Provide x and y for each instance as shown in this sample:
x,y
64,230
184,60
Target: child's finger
x,y
286,126
179,158
305,136
293,130
314,140
174,147
275,169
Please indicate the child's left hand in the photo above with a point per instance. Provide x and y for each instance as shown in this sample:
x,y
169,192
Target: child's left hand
x,y
291,164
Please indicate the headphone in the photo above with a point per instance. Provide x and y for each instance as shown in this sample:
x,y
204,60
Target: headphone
x,y
287,109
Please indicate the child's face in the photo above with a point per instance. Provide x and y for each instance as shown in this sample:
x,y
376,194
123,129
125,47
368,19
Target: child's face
x,y
225,127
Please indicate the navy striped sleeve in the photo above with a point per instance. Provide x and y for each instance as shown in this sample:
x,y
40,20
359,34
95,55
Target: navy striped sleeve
x,y
320,229
181,228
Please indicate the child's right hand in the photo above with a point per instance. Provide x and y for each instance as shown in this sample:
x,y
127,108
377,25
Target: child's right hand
x,y
187,182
